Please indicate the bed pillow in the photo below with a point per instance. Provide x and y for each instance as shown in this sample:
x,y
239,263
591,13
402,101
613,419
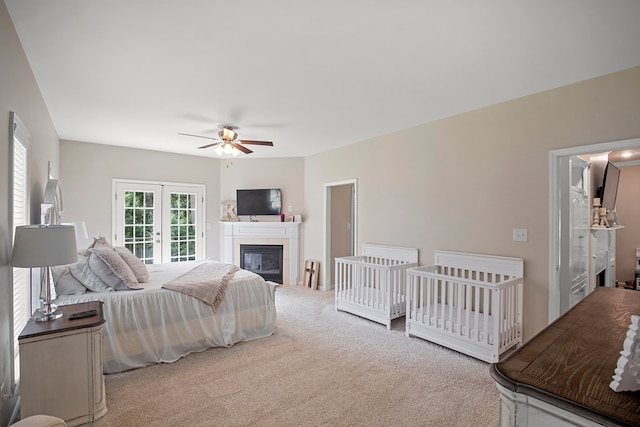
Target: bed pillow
x,y
101,242
111,268
82,272
98,242
64,282
136,265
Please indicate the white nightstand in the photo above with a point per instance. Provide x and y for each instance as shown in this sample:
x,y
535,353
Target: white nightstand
x,y
61,367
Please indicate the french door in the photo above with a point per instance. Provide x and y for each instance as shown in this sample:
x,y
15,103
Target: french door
x,y
159,222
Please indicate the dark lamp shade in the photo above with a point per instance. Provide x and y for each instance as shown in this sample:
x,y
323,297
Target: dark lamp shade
x,y
44,246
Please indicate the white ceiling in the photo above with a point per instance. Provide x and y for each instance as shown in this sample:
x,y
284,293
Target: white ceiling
x,y
309,76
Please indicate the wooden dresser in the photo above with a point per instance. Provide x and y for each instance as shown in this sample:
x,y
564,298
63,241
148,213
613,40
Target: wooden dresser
x,y
61,367
562,375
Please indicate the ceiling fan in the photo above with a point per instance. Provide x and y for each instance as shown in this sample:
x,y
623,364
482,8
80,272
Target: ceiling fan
x,y
227,141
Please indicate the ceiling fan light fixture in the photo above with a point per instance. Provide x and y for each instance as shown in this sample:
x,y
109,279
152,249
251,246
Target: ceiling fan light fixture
x,y
227,134
226,145
226,149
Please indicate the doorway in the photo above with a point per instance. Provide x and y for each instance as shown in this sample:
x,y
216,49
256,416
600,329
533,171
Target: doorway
x,y
558,247
340,225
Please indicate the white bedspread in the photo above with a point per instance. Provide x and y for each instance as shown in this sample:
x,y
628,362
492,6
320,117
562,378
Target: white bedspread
x,y
156,325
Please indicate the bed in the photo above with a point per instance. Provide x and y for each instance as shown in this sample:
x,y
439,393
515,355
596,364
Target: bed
x,y
471,303
372,285
153,325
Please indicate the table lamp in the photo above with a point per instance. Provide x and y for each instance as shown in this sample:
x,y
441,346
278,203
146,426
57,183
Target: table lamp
x,y
81,231
45,246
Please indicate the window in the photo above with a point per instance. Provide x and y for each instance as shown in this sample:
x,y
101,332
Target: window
x,y
19,197
159,222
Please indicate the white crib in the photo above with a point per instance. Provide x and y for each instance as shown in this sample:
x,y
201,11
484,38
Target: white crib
x,y
373,284
470,303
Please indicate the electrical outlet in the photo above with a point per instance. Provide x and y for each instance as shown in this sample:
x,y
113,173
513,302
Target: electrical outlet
x,y
520,235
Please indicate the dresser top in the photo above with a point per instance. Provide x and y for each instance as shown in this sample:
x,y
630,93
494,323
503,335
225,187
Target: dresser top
x,y
570,363
63,324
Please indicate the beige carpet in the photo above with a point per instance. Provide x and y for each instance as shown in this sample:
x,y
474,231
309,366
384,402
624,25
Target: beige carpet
x,y
321,367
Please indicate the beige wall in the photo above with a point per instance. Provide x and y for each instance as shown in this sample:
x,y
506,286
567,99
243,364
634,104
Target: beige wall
x,y
284,173
248,173
463,183
88,170
19,93
628,209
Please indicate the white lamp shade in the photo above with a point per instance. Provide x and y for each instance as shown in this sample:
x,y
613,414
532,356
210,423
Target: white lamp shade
x,y
81,229
44,246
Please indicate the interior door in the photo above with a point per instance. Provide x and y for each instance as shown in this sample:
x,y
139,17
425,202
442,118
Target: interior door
x,y
159,223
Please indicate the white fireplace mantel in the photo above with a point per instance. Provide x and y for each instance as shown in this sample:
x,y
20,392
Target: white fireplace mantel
x,y
286,234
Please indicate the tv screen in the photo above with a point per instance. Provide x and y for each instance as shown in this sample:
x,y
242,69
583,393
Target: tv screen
x,y
610,187
259,202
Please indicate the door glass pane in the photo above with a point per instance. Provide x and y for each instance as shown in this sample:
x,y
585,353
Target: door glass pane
x,y
139,224
182,231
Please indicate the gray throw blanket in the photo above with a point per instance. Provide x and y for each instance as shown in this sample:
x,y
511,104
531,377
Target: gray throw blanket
x,y
206,282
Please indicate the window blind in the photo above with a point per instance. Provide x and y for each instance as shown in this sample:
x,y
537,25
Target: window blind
x,y
20,216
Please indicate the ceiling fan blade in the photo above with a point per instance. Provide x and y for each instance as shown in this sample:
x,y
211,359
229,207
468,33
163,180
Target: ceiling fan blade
x,y
245,150
251,142
199,136
210,145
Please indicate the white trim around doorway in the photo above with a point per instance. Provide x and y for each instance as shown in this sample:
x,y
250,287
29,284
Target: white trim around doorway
x,y
554,206
326,252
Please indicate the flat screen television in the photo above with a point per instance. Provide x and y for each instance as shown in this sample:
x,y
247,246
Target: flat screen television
x,y
259,202
609,190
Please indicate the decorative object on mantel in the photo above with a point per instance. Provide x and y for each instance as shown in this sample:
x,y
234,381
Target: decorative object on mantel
x,y
45,246
603,218
596,213
627,374
297,218
614,218
229,211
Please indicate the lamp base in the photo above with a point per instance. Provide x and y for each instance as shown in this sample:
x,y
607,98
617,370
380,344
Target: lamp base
x,y
41,316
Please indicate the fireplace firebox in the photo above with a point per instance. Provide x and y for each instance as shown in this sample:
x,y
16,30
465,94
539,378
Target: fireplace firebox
x,y
265,260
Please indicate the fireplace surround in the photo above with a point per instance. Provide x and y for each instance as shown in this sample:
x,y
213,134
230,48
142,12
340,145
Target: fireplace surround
x,y
286,234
